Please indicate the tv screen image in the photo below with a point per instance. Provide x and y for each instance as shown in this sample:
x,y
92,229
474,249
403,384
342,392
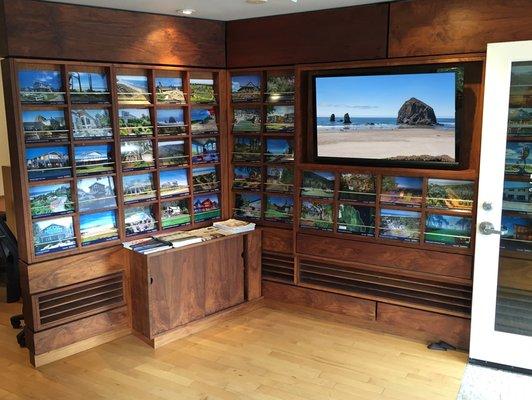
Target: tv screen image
x,y
247,149
132,89
169,89
137,188
88,87
245,88
402,191
247,120
316,215
516,232
400,225
172,153
248,206
448,230
174,182
450,194
517,196
91,124
280,119
357,187
44,126
135,122
175,213
137,154
279,208
392,117
98,227
279,179
205,179
518,158
45,163
279,150
318,184
245,177
47,200
139,220
280,88
207,207
171,121
203,121
96,193
94,159
40,86
356,219
205,150
53,235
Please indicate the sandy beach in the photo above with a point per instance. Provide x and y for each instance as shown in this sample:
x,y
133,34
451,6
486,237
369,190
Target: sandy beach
x,y
385,143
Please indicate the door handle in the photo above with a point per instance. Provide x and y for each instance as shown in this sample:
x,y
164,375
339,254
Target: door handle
x,y
487,228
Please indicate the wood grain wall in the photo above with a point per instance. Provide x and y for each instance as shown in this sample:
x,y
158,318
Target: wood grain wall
x,y
39,29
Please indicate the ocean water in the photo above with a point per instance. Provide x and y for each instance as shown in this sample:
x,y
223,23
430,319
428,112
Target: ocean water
x,y
359,123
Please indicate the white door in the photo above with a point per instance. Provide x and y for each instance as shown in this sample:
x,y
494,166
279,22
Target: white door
x,y
501,326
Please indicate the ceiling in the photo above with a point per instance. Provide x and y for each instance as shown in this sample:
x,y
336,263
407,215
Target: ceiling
x,y
224,10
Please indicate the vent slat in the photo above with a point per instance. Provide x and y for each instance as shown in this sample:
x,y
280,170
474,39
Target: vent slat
x,y
94,308
279,267
81,303
78,289
84,295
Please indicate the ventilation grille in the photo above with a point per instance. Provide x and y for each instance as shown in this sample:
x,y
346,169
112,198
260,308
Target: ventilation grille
x,y
444,296
278,267
77,301
513,311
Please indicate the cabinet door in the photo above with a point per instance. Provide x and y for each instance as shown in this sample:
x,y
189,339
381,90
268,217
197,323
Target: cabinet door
x,y
224,274
176,289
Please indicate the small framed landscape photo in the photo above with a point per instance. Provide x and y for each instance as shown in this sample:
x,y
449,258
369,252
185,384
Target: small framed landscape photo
x,y
98,227
94,159
132,87
139,220
135,122
138,188
41,84
316,215
279,150
204,121
172,153
247,120
91,123
517,196
520,121
95,193
280,87
205,150
248,206
280,119
205,179
44,126
247,149
53,235
448,230
246,88
175,213
402,191
207,207
516,232
400,225
202,89
137,154
171,122
517,154
356,219
169,87
48,200
318,184
44,163
279,208
358,187
174,183
450,194
90,85
279,179
247,178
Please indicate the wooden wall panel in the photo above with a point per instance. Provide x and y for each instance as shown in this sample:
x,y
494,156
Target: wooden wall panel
x,y
40,29
253,264
341,34
424,27
277,240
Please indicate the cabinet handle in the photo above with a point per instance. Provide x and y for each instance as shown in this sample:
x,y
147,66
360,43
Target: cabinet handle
x,y
150,280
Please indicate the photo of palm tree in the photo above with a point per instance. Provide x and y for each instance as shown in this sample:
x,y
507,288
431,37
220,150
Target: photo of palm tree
x,y
448,230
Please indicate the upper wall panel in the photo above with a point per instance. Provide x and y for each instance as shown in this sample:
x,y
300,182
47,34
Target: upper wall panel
x,y
431,27
342,34
59,31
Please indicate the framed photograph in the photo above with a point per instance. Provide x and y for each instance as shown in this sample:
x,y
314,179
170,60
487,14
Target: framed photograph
x,y
517,158
279,150
318,184
205,150
248,206
400,225
358,187
247,178
140,220
175,213
280,88
137,154
520,121
171,121
90,86
94,159
138,188
53,235
48,200
169,89
205,180
279,179
279,208
203,121
135,122
172,153
247,149
356,219
516,232
402,191
45,163
517,196
450,194
96,193
207,207
132,89
40,86
448,230
98,227
247,120
202,88
316,215
91,124
44,126
521,86
280,119
246,88
174,182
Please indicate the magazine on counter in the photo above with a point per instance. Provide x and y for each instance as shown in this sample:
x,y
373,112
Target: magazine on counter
x,y
234,226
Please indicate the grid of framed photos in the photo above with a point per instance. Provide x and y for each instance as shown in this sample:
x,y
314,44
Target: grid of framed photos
x,y
262,127
416,210
113,152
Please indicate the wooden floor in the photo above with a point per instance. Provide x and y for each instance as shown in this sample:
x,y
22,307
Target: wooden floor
x,y
266,355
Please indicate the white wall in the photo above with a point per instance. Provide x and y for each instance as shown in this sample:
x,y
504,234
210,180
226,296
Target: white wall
x,y
4,148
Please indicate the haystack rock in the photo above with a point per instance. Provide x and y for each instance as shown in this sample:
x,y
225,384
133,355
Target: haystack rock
x,y
415,112
347,118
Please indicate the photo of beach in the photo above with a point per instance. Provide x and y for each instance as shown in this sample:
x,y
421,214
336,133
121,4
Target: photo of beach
x,y
360,117
98,227
174,183
132,89
171,121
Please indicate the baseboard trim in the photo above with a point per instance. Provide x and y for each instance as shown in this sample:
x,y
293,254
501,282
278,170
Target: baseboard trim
x,y
504,367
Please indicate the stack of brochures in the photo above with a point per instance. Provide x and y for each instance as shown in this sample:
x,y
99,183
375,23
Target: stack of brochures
x,y
147,245
180,239
233,226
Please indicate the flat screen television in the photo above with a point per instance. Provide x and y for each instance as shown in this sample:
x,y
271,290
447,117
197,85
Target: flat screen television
x,y
406,116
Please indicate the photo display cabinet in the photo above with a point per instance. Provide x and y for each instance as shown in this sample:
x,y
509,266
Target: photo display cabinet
x,y
109,153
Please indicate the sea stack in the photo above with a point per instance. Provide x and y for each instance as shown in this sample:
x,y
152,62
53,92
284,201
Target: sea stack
x,y
415,112
347,119
333,118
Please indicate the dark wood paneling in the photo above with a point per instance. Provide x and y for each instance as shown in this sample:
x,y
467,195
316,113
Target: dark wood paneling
x,y
431,326
352,33
253,261
423,27
40,29
412,259
277,240
331,302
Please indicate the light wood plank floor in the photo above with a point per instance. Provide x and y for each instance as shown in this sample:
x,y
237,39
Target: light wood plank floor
x,y
265,355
